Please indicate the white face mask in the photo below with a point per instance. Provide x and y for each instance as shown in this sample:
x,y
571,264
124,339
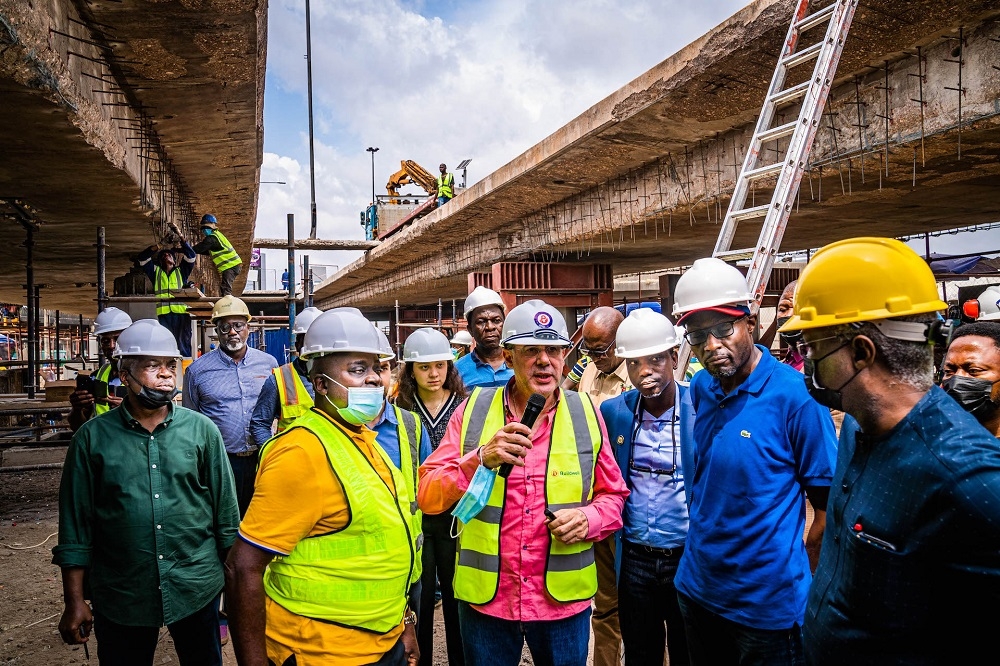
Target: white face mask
x,y
363,402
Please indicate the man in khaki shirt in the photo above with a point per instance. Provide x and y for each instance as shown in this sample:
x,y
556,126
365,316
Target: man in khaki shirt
x,y
604,377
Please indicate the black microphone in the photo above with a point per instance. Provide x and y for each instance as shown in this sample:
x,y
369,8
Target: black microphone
x,y
531,411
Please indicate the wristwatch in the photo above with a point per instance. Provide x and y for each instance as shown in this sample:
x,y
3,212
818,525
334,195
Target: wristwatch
x,y
409,617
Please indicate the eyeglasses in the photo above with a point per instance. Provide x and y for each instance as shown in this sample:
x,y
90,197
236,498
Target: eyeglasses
x,y
531,351
596,354
719,332
237,326
673,442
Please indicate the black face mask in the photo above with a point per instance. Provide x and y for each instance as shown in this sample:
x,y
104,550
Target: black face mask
x,y
974,395
791,338
830,398
153,398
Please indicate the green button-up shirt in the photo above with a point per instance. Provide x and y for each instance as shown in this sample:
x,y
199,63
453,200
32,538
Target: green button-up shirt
x,y
150,514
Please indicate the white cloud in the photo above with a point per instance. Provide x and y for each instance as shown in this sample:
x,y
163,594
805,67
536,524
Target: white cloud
x,y
486,82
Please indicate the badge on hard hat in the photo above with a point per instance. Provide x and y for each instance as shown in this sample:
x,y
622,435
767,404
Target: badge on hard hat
x,y
543,319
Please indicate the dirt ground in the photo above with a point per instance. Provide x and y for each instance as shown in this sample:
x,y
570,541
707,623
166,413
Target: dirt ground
x,y
31,589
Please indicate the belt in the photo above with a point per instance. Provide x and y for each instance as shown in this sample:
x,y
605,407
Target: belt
x,y
252,451
666,552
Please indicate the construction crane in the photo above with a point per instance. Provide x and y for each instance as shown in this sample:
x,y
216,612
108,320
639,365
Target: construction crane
x,y
410,173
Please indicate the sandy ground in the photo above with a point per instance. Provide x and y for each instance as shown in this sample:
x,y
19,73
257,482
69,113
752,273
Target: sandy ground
x,y
31,589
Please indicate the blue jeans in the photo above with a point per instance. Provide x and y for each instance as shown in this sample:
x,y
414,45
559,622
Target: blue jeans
x,y
196,639
490,641
647,607
715,641
443,200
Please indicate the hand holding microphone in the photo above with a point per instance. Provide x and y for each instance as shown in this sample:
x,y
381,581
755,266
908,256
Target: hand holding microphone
x,y
513,439
531,411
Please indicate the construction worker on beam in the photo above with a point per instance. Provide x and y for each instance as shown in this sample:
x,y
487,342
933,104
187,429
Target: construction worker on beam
x,y
216,245
160,265
446,185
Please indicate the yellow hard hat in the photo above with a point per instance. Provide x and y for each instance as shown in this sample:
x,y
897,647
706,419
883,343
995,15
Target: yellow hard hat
x,y
863,279
230,306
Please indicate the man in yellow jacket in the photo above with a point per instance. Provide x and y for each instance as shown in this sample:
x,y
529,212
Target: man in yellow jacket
x,y
226,260
326,552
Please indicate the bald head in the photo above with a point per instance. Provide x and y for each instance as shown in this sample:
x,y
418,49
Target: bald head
x,y
599,332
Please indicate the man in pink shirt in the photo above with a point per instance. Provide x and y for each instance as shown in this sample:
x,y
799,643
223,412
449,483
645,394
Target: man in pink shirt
x,y
526,569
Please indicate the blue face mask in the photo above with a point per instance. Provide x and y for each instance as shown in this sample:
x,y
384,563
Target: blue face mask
x,y
476,496
207,232
363,402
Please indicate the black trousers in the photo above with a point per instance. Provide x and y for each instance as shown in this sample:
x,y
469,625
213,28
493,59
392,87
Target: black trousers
x,y
439,567
226,279
179,324
196,639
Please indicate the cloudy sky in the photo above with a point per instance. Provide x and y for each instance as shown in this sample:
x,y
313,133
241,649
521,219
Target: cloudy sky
x,y
439,81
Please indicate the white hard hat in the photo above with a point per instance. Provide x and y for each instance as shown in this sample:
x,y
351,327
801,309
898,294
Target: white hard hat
x,y
337,331
535,322
146,337
111,320
463,337
425,345
304,318
481,296
645,332
989,304
386,352
711,283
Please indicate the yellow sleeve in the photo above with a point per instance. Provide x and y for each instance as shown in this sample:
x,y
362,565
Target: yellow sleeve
x,y
295,494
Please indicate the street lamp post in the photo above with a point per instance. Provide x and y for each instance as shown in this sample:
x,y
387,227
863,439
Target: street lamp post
x,y
373,151
312,157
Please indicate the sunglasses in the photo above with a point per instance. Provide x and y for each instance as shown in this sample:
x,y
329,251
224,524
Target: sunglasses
x,y
719,332
597,353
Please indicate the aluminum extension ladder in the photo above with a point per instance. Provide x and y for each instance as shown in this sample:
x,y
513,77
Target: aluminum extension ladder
x,y
813,93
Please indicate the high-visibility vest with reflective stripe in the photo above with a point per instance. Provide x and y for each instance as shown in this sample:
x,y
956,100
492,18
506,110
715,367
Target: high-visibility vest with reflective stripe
x,y
225,258
292,395
408,430
161,289
101,381
446,185
360,575
570,572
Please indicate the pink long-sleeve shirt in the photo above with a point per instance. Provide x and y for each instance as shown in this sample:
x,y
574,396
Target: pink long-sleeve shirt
x,y
524,537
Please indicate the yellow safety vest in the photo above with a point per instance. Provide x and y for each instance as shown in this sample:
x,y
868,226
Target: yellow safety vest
x,y
360,575
292,395
225,258
446,185
570,572
101,381
161,289
408,430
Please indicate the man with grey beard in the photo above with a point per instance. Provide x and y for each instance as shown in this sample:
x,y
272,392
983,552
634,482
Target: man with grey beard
x,y
224,385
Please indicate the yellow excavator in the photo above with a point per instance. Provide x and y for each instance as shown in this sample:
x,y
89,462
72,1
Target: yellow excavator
x,y
384,217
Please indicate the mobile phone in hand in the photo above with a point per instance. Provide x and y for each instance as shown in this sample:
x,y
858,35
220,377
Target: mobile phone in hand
x,y
85,383
121,391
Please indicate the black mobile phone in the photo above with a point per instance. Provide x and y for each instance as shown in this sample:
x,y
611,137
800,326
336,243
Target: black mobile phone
x,y
85,383
121,391
549,514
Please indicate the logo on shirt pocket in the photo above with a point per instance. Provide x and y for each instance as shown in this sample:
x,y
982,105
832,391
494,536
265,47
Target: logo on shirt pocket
x,y
745,433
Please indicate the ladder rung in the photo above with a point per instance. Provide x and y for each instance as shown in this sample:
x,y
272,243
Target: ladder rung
x,y
736,255
764,171
777,132
790,94
805,55
815,19
749,213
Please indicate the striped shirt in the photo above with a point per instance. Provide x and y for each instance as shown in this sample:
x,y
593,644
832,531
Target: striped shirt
x,y
226,392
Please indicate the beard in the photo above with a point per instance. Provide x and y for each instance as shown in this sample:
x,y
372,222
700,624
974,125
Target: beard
x,y
232,346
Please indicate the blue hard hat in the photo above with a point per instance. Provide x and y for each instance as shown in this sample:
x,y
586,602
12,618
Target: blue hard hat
x,y
208,218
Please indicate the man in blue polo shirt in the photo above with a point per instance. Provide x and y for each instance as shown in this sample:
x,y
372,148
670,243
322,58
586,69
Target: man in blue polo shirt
x,y
484,365
758,445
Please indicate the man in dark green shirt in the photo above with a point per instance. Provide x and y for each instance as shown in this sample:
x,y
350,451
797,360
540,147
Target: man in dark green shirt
x,y
147,512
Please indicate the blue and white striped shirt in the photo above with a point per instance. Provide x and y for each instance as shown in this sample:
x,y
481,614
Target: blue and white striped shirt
x,y
226,392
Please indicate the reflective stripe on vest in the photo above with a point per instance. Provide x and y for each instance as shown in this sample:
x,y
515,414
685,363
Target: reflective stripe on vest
x,y
446,185
292,395
360,575
570,572
225,258
101,381
161,289
408,431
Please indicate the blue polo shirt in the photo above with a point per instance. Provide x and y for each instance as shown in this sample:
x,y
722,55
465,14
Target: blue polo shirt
x,y
387,435
909,571
476,373
749,455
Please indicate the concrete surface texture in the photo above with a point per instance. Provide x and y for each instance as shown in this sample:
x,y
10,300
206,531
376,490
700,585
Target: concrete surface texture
x,y
133,115
642,179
